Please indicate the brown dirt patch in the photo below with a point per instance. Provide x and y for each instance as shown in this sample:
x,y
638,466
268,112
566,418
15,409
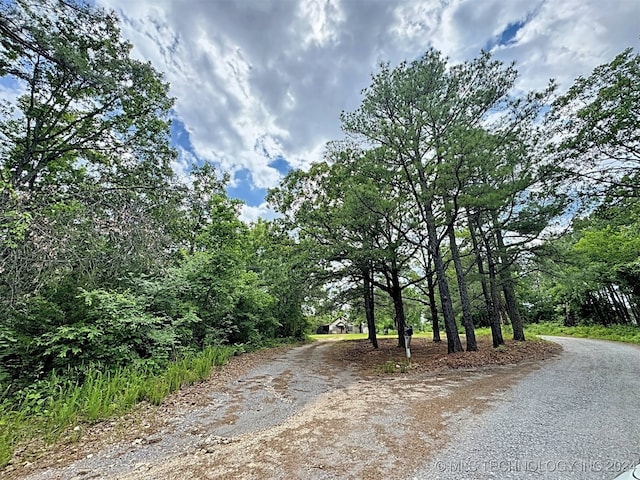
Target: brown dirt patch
x,y
428,356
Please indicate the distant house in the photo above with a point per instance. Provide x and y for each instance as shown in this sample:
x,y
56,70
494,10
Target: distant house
x,y
342,326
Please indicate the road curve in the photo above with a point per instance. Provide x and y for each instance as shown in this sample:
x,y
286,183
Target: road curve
x,y
578,417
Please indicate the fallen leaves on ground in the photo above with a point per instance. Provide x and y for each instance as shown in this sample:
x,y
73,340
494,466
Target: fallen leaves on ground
x,y
427,356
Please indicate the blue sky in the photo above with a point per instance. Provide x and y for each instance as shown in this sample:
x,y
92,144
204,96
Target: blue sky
x,y
260,84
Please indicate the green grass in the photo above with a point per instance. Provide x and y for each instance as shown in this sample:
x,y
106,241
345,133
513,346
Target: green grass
x,y
391,366
507,332
618,333
340,336
364,336
54,406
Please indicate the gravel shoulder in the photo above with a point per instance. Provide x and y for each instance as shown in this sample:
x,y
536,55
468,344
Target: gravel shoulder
x,y
323,410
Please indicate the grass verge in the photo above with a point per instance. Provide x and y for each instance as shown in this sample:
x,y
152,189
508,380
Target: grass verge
x,y
52,407
618,333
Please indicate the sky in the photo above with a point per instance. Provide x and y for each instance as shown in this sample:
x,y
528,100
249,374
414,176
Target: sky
x,y
260,84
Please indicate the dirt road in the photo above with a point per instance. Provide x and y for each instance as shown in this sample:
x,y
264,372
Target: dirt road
x,y
296,415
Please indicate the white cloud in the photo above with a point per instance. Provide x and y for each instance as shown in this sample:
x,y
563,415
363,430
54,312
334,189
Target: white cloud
x,y
322,19
183,163
567,39
250,214
257,80
10,91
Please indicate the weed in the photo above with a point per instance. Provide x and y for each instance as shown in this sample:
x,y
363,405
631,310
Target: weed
x,y
619,333
391,366
51,407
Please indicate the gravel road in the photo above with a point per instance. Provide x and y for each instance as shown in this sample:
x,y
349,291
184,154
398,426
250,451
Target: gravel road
x,y
300,416
258,401
578,417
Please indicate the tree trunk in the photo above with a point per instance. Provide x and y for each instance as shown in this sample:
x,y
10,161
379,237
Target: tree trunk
x,y
619,305
472,346
609,308
507,283
634,310
367,275
568,315
398,305
453,339
496,326
487,291
595,304
502,309
435,326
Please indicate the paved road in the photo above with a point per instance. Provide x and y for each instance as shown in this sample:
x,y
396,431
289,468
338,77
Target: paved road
x,y
578,417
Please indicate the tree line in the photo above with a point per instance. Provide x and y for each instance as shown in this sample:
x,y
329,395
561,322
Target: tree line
x,y
490,206
107,257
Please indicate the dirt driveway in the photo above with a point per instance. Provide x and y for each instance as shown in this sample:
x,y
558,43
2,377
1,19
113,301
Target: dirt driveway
x,y
312,412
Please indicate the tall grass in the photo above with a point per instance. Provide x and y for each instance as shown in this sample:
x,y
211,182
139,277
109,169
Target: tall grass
x,y
56,404
618,333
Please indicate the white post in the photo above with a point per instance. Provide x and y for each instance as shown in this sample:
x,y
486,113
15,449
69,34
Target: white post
x,y
408,332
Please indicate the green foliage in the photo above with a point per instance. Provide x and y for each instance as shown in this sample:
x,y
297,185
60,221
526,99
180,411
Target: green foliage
x,y
391,366
50,407
617,333
85,178
599,118
284,268
86,97
115,329
14,223
590,273
611,246
108,328
119,282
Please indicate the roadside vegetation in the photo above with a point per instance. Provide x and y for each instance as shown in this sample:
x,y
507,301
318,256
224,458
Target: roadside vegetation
x,y
48,409
453,204
616,333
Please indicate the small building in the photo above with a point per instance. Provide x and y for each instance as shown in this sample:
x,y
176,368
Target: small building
x,y
342,326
